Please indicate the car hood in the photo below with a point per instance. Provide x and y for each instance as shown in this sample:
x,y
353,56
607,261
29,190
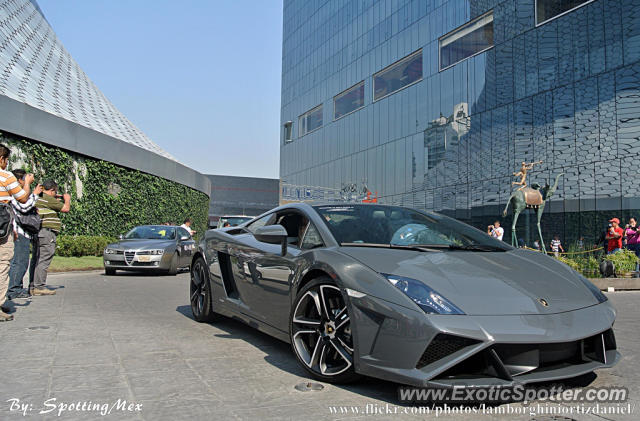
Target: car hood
x,y
141,244
486,283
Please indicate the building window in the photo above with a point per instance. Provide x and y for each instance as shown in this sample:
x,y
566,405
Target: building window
x,y
288,132
550,9
348,101
466,41
310,121
397,76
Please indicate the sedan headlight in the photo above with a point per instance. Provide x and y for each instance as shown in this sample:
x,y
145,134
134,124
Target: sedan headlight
x,y
156,252
428,299
109,251
594,289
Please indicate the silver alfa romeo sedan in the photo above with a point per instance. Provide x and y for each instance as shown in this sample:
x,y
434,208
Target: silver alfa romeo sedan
x,y
157,248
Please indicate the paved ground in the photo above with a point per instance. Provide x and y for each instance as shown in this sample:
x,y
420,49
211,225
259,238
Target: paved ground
x,y
132,338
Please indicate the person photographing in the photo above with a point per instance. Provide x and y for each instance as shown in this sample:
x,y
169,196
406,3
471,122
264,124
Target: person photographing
x,y
9,188
496,231
614,236
49,209
26,225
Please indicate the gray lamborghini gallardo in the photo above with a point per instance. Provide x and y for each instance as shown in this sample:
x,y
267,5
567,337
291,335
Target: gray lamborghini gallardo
x,y
402,295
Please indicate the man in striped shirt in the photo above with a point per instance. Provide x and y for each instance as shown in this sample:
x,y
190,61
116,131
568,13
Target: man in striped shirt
x,y
9,187
48,208
23,239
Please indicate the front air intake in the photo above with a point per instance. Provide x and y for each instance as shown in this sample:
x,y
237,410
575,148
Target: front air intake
x,y
443,345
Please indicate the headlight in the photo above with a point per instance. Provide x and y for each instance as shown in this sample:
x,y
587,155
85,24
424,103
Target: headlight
x,y
594,289
158,251
109,251
428,299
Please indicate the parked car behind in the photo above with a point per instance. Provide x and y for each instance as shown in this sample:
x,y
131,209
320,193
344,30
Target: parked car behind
x,y
158,248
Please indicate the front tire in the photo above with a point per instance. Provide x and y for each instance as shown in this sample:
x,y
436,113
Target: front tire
x,y
320,332
200,292
173,269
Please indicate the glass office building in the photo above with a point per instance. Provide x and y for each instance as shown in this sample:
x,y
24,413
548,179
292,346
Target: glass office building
x,y
435,104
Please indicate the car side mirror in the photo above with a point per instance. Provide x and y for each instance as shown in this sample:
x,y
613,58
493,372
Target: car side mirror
x,y
273,234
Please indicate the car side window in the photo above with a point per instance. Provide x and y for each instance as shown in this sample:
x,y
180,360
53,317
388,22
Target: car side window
x,y
265,220
312,238
183,232
295,223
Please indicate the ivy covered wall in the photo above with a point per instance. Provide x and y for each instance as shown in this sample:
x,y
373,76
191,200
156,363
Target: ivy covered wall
x,y
107,199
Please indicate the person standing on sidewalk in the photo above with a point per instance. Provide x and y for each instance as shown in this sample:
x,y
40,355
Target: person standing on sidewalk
x,y
23,237
556,246
9,187
614,236
187,225
49,208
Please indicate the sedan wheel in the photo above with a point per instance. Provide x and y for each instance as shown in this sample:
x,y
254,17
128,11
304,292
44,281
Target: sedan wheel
x,y
321,332
200,292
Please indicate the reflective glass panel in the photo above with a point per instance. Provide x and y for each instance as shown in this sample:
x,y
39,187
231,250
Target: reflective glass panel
x,y
466,41
348,101
398,75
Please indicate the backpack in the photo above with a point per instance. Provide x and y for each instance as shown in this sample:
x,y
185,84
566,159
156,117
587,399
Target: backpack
x,y
6,221
30,221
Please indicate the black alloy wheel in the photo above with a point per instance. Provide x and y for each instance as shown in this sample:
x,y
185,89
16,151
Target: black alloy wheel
x,y
200,292
320,331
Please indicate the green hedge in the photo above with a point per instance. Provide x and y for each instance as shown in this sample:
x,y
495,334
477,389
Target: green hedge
x,y
107,199
81,245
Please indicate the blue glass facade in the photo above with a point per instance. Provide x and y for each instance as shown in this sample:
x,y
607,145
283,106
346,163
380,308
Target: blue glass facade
x,y
566,92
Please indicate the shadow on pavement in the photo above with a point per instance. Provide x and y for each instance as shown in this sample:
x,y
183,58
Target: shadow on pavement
x,y
280,355
145,273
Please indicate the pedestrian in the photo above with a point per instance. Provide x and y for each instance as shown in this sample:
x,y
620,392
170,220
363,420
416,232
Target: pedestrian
x,y
614,236
580,243
26,226
536,245
49,208
496,231
632,232
187,225
556,246
9,187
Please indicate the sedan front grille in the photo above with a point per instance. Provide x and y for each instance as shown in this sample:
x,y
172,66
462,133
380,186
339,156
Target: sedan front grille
x,y
128,256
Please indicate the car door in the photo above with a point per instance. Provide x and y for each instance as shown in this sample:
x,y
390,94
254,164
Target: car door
x,y
268,275
230,257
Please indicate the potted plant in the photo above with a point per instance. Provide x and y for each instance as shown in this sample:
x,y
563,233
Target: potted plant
x,y
624,262
592,266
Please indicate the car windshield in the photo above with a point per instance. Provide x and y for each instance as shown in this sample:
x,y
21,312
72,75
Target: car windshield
x,y
234,220
397,226
152,232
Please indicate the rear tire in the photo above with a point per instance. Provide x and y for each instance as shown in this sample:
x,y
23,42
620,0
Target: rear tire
x,y
109,271
200,294
320,332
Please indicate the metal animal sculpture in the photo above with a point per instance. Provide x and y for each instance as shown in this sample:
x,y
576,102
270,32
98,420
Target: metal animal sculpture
x,y
530,198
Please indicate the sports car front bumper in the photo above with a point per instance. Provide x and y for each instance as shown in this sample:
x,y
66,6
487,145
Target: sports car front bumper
x,y
408,346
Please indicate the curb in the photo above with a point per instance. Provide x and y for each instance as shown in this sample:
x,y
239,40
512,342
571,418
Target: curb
x,y
623,284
